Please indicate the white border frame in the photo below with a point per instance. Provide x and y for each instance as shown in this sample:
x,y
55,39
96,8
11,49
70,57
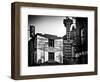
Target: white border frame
x,y
25,70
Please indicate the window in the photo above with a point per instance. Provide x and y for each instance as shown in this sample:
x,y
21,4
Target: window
x,y
51,42
51,56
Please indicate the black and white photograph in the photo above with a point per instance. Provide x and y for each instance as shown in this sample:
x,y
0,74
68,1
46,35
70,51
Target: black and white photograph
x,y
53,40
57,40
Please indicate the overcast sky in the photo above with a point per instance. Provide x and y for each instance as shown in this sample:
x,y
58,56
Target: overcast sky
x,y
48,24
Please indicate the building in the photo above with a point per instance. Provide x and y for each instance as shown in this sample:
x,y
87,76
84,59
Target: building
x,y
31,45
67,42
48,48
75,42
80,40
72,48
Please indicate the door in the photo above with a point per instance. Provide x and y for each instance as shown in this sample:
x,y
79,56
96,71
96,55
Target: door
x,y
51,56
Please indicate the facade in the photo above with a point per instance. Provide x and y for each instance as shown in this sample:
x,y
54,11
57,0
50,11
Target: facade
x,y
48,48
67,42
75,41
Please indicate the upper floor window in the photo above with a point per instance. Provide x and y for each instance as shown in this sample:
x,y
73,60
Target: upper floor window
x,y
51,42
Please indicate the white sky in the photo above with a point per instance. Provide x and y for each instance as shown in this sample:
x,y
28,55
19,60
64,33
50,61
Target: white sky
x,y
48,24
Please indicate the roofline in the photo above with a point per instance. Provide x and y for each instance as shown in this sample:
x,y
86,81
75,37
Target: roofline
x,y
43,35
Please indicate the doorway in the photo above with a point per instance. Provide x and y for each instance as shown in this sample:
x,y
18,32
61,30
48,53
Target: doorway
x,y
51,56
